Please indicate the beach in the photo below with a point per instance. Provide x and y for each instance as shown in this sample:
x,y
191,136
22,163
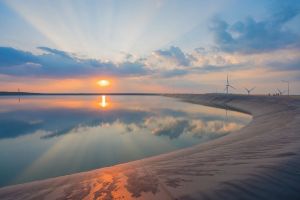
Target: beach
x,y
259,161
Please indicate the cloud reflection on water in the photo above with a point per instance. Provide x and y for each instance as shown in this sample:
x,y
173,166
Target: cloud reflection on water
x,y
53,136
162,122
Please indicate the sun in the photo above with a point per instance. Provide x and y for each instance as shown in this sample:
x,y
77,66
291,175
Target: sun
x,y
103,83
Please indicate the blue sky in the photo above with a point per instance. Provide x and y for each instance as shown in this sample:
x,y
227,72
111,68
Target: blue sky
x,y
157,45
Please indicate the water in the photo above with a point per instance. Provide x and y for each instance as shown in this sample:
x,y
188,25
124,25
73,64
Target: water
x,y
49,136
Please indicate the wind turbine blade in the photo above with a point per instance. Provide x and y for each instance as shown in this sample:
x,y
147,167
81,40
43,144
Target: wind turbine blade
x,y
231,86
252,88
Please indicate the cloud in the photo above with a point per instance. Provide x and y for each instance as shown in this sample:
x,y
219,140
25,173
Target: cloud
x,y
175,54
53,63
132,68
223,68
174,73
201,61
56,63
287,65
283,11
252,36
55,51
10,56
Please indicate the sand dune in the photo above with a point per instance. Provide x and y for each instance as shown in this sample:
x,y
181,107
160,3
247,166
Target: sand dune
x,y
260,161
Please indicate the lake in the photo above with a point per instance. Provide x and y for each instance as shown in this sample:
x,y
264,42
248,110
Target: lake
x,y
49,136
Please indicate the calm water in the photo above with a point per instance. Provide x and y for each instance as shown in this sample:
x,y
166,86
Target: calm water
x,y
48,136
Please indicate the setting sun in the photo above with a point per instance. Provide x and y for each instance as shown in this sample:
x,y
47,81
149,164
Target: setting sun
x,y
103,83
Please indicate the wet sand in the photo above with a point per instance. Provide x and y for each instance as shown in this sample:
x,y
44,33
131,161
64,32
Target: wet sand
x,y
260,161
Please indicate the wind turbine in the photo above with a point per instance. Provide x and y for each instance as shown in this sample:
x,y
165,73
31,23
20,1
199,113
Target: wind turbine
x,y
249,90
279,91
228,85
288,86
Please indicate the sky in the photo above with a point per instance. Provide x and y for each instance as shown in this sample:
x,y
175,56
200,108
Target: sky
x,y
150,45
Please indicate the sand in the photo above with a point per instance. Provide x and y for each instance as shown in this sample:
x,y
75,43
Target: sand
x,y
260,161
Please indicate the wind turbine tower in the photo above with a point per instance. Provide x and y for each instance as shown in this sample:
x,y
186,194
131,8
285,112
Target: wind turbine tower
x,y
228,85
288,85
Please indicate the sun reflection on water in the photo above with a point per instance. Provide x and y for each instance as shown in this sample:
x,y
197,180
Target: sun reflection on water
x,y
103,103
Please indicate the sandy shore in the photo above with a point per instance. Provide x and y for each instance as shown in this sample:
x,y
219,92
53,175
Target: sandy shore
x,y
260,161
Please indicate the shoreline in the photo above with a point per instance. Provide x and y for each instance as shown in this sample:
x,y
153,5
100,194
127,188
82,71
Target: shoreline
x,y
259,161
24,94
